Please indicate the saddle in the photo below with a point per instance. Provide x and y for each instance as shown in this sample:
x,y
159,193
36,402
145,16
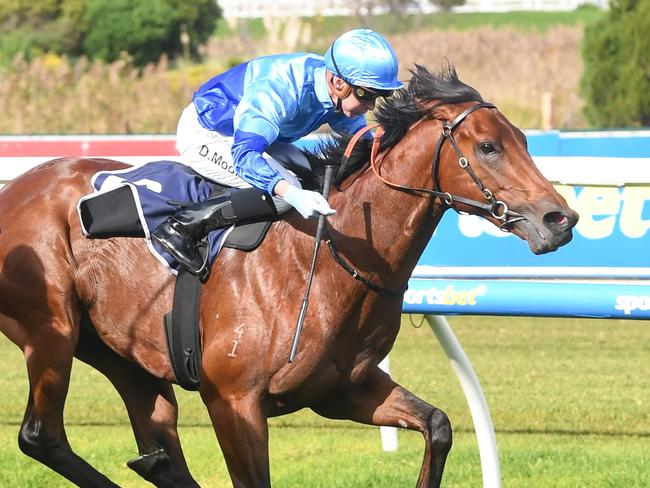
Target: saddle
x,y
126,207
126,202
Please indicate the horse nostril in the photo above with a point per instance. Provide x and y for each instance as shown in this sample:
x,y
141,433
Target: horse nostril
x,y
558,220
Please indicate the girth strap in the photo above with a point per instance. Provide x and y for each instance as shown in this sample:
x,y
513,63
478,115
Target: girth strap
x,y
183,331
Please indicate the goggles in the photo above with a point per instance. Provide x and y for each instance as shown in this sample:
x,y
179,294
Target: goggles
x,y
367,95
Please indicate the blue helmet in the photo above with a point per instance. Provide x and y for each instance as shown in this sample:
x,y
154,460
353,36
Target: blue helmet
x,y
362,57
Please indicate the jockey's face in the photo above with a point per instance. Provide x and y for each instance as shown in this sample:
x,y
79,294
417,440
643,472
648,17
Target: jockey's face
x,y
353,107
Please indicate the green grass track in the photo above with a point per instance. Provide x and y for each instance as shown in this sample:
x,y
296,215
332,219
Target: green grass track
x,y
570,400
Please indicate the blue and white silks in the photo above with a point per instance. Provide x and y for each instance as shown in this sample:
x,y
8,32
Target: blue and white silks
x,y
278,98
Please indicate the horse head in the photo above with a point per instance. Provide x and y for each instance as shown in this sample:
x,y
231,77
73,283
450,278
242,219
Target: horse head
x,y
443,141
490,163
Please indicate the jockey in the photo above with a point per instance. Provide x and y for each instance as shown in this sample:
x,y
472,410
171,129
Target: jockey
x,y
241,124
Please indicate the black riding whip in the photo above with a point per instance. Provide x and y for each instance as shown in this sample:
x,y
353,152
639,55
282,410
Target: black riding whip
x,y
329,173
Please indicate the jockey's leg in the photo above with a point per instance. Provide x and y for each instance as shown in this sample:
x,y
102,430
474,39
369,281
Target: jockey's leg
x,y
209,154
381,401
179,234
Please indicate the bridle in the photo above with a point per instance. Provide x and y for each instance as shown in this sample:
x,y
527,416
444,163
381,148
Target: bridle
x,y
496,208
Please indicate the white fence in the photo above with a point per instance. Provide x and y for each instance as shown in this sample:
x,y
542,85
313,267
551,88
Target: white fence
x,y
235,9
534,5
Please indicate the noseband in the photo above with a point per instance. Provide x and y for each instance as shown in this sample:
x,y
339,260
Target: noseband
x,y
496,208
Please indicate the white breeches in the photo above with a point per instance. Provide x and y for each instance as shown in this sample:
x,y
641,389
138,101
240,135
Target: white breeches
x,y
209,154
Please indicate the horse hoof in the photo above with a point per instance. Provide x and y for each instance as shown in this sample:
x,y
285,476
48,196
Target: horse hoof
x,y
157,468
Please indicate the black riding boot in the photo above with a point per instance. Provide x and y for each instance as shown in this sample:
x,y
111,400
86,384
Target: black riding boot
x,y
179,234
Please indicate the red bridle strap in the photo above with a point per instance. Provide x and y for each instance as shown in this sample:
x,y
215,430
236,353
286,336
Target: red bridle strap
x,y
358,135
350,147
374,151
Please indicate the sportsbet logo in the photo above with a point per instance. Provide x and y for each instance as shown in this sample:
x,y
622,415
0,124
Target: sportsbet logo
x,y
630,303
445,296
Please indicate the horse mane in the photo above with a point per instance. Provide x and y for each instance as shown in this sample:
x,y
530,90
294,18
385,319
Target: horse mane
x,y
396,114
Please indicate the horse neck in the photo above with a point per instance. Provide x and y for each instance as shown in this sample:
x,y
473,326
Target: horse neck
x,y
384,230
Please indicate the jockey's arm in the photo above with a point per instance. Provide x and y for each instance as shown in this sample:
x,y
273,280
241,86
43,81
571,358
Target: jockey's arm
x,y
256,123
260,174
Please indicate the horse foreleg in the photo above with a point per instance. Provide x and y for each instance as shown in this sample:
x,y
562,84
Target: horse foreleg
x,y
42,434
381,401
240,423
153,412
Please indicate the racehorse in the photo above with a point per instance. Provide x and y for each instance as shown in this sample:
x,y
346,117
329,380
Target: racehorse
x,y
63,295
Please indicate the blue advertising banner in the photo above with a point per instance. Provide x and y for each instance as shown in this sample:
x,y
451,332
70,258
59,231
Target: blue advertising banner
x,y
531,298
471,267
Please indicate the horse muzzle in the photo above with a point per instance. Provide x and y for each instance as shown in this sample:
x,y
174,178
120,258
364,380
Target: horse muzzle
x,y
548,232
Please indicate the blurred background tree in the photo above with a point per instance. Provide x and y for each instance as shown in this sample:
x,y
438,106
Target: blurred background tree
x,y
616,78
447,5
103,29
33,28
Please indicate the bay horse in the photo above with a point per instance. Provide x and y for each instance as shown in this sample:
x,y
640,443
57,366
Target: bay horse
x,y
63,295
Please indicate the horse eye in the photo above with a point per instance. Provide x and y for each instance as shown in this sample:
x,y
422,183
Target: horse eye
x,y
487,148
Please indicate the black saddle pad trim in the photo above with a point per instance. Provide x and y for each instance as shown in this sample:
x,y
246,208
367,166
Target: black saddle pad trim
x,y
247,237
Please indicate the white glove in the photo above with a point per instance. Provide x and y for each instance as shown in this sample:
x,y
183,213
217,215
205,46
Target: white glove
x,y
308,203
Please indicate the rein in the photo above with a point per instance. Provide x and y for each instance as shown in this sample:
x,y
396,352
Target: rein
x,y
355,273
330,245
497,208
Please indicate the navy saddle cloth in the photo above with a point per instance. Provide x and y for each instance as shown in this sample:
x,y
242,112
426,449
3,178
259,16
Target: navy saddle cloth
x,y
132,202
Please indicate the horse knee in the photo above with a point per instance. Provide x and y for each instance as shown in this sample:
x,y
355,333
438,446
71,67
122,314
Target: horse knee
x,y
440,435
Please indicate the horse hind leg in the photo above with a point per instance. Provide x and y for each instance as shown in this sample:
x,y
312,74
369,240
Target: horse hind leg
x,y
42,434
153,412
381,401
38,314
